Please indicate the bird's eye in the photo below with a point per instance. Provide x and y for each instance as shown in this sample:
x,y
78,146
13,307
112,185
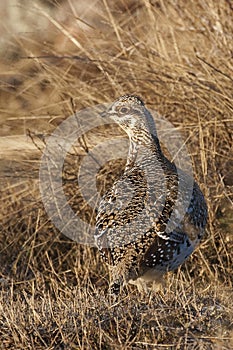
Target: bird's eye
x,y
124,110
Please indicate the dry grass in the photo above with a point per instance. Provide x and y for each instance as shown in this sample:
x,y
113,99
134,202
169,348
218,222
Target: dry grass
x,y
178,57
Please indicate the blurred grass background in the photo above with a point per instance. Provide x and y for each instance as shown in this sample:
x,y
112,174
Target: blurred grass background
x,y
61,56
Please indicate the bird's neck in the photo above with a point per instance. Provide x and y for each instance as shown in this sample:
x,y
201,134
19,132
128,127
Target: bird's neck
x,y
142,147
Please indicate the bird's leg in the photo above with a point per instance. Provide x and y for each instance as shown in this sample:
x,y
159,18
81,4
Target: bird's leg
x,y
118,280
116,287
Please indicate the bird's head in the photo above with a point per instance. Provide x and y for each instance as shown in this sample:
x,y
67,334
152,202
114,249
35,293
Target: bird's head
x,y
130,113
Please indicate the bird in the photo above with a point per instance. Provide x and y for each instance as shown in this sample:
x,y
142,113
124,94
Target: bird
x,y
155,214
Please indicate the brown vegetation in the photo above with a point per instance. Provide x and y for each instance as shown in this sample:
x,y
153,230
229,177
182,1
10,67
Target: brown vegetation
x,y
178,56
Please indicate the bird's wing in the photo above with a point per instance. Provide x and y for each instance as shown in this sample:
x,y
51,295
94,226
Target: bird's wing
x,y
175,236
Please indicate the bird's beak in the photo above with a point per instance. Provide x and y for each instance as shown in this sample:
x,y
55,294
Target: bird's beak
x,y
104,114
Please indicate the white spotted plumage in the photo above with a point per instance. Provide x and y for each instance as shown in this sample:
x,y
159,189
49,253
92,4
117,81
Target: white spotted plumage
x,y
132,231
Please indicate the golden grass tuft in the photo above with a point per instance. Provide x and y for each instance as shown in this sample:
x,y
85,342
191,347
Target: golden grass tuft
x,y
178,57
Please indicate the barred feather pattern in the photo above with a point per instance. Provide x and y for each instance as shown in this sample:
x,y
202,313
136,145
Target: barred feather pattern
x,y
134,217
